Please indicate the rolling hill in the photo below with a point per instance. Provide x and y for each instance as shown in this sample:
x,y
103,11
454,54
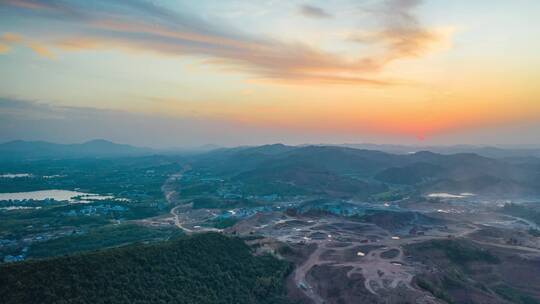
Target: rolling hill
x,y
347,171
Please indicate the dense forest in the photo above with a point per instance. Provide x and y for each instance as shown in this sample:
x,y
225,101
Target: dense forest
x,y
206,268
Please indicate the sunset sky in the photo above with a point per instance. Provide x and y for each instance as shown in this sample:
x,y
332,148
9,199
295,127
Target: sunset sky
x,y
187,73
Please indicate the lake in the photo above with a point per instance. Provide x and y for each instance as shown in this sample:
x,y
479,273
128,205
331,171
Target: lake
x,y
58,195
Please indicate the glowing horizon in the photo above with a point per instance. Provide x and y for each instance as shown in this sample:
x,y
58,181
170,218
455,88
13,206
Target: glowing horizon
x,y
403,71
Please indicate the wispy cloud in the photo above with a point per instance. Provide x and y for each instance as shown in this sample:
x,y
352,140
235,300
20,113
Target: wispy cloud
x,y
311,11
40,50
10,38
7,40
141,25
28,4
3,48
402,34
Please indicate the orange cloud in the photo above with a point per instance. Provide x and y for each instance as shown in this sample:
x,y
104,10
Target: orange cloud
x,y
156,29
403,43
40,50
3,48
402,34
268,60
10,37
27,4
13,39
78,44
5,40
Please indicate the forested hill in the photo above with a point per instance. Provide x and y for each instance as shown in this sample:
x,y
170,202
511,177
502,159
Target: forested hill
x,y
206,268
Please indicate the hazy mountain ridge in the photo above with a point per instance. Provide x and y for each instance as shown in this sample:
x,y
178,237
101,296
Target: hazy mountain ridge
x,y
25,150
344,171
464,172
487,151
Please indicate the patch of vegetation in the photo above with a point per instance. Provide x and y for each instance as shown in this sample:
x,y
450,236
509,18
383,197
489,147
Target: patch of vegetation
x,y
199,189
459,252
285,250
522,211
206,268
390,195
390,254
515,296
223,223
213,203
534,232
103,237
206,202
395,220
256,187
466,273
434,290
16,224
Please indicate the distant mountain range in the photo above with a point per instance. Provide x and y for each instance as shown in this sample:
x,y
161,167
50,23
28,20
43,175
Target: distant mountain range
x,y
487,151
24,150
343,171
329,170
35,150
